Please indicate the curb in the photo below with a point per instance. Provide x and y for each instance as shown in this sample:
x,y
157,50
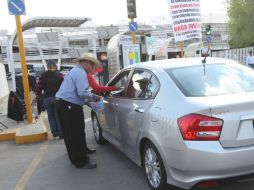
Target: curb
x,y
31,138
26,133
30,133
8,135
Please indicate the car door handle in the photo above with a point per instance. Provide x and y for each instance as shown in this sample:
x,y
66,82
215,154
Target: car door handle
x,y
139,110
114,104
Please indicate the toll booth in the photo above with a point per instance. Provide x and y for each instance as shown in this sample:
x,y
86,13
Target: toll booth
x,y
121,53
150,45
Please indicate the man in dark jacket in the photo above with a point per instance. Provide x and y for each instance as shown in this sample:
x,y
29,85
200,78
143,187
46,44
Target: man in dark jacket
x,y
49,83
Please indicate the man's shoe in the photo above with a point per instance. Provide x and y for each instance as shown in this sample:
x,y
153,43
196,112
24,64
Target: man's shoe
x,y
90,151
88,165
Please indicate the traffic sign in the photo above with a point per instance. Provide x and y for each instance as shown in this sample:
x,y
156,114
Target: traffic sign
x,y
133,26
16,7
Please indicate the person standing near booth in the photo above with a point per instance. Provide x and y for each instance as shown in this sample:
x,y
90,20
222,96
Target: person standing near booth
x,y
73,94
250,59
47,86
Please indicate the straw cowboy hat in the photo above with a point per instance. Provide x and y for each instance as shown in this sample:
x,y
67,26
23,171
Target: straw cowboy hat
x,y
88,57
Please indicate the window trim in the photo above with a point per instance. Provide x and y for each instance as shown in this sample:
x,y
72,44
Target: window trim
x,y
152,74
127,82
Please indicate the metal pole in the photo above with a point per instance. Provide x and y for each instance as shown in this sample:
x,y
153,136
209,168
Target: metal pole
x,y
133,34
182,48
24,70
11,63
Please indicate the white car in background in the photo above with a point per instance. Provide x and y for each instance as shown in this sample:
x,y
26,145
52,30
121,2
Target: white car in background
x,y
29,72
64,71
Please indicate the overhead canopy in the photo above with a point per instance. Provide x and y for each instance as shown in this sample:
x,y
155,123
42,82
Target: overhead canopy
x,y
42,22
54,22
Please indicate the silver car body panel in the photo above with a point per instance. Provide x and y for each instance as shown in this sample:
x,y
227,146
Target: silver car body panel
x,y
186,162
237,111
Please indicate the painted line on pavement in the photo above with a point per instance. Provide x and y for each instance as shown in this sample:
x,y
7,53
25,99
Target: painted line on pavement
x,y
28,173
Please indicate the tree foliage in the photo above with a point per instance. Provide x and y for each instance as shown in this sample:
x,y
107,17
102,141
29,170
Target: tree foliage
x,y
241,23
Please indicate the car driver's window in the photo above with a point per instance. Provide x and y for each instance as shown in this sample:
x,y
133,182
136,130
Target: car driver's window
x,y
138,85
120,82
152,87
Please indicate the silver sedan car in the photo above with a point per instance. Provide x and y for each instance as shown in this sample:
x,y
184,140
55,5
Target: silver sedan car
x,y
188,122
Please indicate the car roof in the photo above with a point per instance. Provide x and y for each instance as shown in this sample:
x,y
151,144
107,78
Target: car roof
x,y
180,62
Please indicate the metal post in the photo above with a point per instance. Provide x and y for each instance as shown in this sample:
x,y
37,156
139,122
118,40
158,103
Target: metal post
x,y
11,62
24,70
94,46
182,48
133,34
59,61
41,54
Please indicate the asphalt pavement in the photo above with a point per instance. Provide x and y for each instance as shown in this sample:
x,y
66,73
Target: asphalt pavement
x,y
45,165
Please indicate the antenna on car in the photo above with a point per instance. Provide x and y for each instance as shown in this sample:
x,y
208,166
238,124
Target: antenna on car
x,y
204,60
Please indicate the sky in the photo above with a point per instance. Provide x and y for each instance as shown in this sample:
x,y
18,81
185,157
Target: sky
x,y
102,12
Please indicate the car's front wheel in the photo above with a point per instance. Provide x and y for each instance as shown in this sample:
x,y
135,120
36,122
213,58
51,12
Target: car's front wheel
x,y
154,167
97,131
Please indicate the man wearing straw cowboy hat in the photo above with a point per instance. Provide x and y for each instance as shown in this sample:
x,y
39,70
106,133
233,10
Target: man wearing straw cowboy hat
x,y
72,95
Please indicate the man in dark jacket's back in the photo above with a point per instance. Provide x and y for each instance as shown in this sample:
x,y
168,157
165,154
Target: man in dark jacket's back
x,y
49,83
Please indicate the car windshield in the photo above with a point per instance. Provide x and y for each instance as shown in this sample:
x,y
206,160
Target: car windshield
x,y
215,79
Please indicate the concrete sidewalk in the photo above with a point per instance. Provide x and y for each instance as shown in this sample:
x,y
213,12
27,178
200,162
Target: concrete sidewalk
x,y
21,132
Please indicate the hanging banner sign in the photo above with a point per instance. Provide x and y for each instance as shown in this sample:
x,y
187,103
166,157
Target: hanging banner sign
x,y
186,19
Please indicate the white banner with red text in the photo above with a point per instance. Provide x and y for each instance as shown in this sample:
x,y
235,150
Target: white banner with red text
x,y
186,19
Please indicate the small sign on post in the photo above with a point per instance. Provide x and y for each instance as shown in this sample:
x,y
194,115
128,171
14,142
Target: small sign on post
x,y
16,7
133,26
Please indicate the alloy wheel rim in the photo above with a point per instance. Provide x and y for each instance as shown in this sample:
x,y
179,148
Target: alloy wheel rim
x,y
152,168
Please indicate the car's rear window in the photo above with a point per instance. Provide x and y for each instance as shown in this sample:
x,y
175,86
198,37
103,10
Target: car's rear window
x,y
212,80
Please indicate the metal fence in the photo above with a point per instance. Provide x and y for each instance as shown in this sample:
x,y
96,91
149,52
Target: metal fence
x,y
235,54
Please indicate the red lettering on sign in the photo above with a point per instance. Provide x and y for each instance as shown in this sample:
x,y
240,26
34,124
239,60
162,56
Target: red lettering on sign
x,y
194,25
179,28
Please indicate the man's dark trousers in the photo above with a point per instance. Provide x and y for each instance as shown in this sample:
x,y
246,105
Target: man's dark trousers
x,y
71,117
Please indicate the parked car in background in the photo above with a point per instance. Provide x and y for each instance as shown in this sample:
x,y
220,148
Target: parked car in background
x,y
30,72
64,71
186,122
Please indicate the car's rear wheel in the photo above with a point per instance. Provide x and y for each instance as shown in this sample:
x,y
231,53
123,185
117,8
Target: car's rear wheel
x,y
97,131
154,167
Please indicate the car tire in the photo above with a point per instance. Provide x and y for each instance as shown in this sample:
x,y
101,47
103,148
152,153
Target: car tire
x,y
154,167
97,131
